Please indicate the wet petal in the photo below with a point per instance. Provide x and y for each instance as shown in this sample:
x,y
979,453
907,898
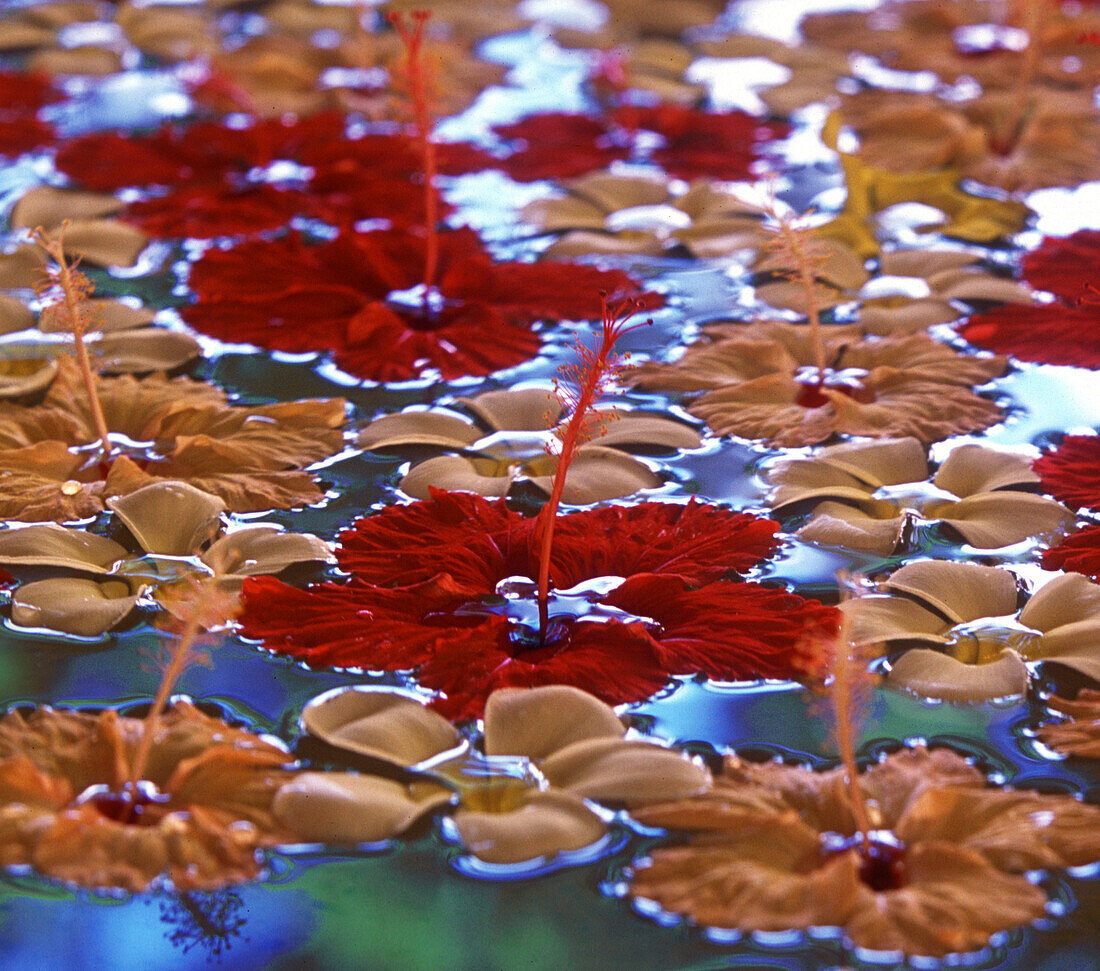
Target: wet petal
x,y
520,409
381,724
434,427
971,469
548,823
338,807
853,528
598,473
49,206
631,773
86,608
999,519
256,550
143,351
933,674
960,591
537,722
456,474
56,546
170,518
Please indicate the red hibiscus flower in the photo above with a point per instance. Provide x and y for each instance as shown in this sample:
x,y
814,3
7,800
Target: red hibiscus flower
x,y
693,143
225,180
440,587
1071,472
1077,553
21,95
1066,331
353,295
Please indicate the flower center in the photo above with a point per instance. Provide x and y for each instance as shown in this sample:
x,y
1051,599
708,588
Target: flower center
x,y
421,308
985,640
881,857
846,381
140,805
515,600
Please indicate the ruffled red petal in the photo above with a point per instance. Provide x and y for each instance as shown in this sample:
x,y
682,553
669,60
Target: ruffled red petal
x,y
695,542
1048,333
701,144
728,631
25,93
696,144
400,612
383,344
1077,553
21,135
480,540
288,295
558,145
1071,472
1068,267
202,212
615,662
202,153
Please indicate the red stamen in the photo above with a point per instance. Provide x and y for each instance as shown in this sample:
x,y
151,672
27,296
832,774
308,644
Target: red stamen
x,y
583,385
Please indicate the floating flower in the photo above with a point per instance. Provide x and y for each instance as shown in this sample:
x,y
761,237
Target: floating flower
x,y
443,587
976,641
507,442
774,847
1079,735
868,495
205,808
226,180
1052,144
608,213
179,533
872,190
355,295
546,753
1061,332
250,457
964,40
693,143
760,380
909,291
